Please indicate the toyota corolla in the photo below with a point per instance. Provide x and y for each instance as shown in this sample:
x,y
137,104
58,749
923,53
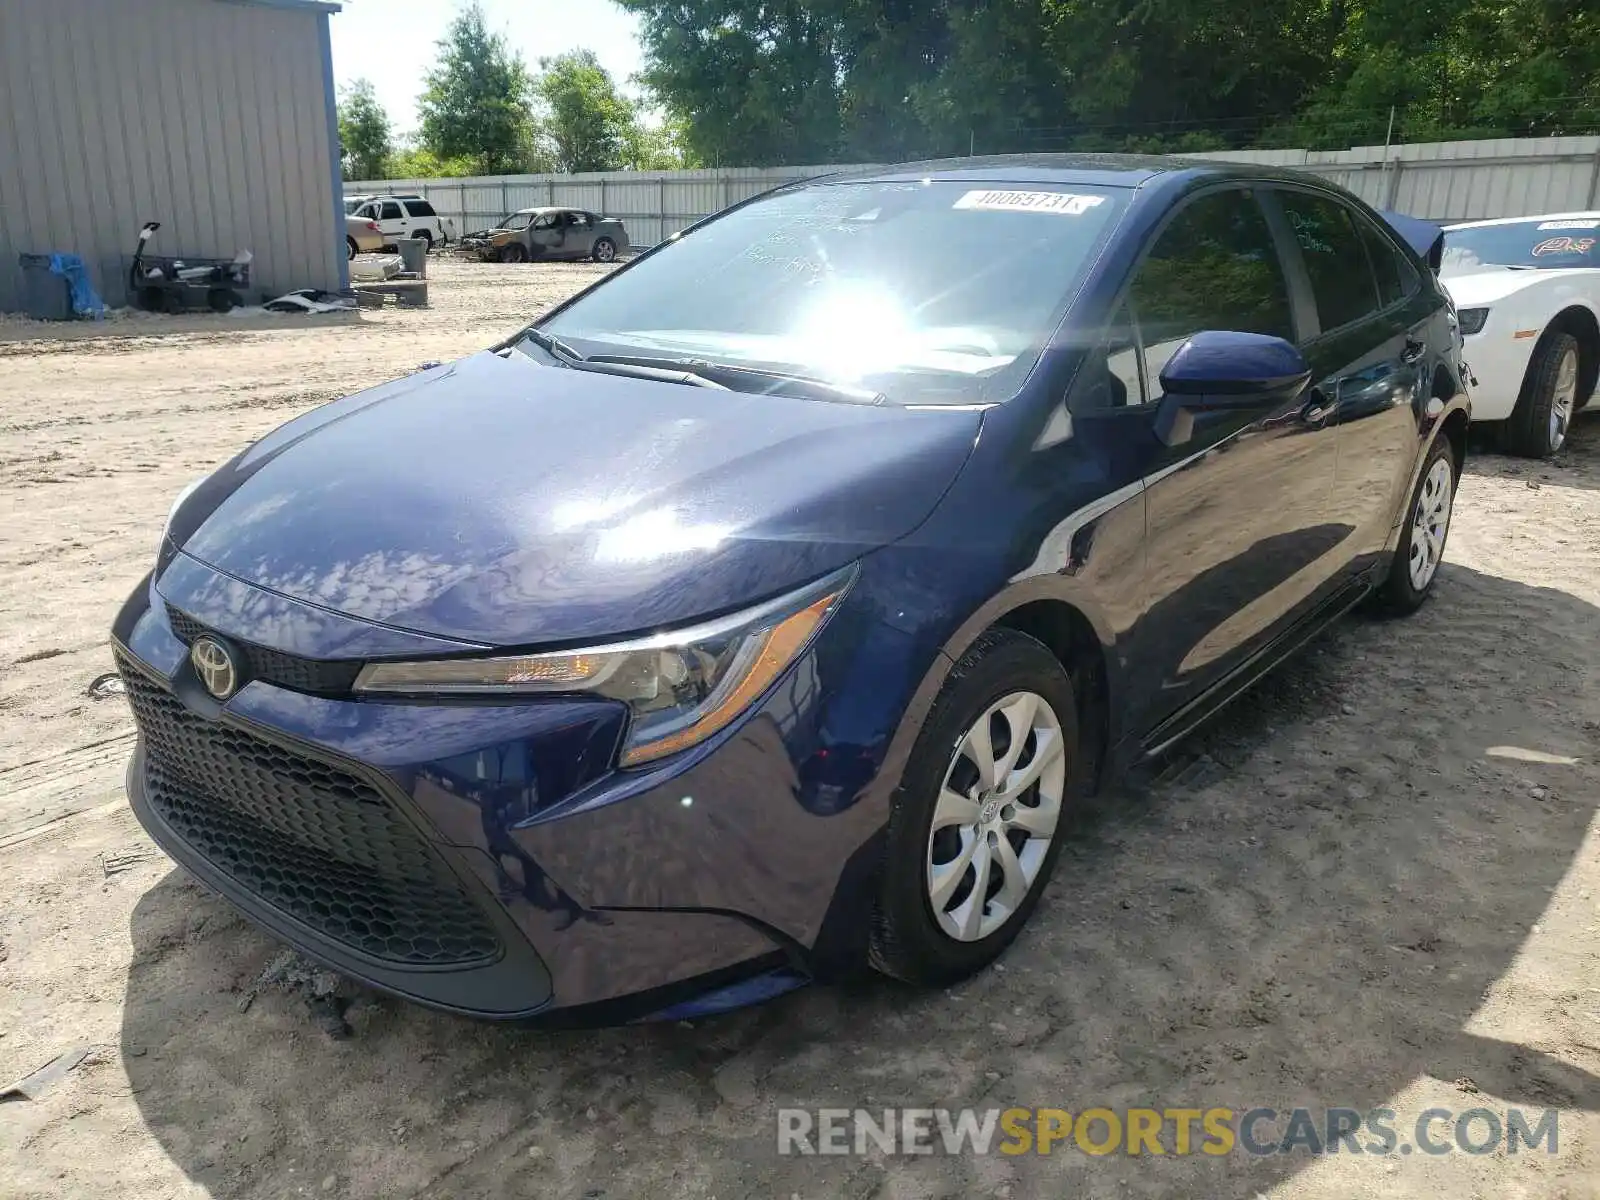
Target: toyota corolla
x,y
766,609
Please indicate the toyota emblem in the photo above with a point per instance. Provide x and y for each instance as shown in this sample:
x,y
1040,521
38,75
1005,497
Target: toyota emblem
x,y
213,663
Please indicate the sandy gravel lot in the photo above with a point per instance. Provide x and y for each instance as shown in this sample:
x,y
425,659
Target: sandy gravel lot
x,y
1376,883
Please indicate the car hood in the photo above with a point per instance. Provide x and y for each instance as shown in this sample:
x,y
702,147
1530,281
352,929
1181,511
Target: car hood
x,y
502,502
1478,289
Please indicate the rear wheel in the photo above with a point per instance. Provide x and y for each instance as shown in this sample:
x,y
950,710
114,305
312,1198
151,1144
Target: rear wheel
x,y
975,828
1416,559
422,235
1537,427
223,299
605,250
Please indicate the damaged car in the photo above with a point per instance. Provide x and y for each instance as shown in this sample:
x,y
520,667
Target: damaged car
x,y
549,233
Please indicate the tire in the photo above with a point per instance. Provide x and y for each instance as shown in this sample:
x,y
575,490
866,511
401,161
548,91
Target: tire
x,y
223,299
1538,426
1410,583
172,303
350,248
422,235
927,929
516,252
605,251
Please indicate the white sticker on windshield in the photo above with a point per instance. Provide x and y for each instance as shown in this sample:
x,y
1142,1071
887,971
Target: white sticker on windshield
x,y
1570,225
1065,203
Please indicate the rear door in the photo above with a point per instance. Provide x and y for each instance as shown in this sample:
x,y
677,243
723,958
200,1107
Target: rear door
x,y
1370,356
580,234
392,220
1238,544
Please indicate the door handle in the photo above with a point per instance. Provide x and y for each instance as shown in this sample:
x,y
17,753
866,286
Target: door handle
x,y
1414,351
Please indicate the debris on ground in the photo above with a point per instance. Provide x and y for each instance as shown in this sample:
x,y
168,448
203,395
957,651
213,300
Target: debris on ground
x,y
318,987
31,1087
312,300
116,862
102,687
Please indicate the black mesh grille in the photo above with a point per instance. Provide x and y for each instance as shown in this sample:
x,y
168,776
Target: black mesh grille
x,y
275,667
313,841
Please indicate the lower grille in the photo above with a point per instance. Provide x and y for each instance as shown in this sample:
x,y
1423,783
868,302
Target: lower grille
x,y
315,842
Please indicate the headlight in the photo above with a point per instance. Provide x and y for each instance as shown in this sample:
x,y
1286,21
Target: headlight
x,y
1472,320
681,686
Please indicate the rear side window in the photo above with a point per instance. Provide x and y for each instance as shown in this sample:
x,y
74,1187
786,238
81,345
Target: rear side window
x,y
1214,267
1397,278
391,211
420,208
1335,256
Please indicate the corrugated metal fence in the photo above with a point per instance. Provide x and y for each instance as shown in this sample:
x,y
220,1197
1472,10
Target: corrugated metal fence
x,y
1443,181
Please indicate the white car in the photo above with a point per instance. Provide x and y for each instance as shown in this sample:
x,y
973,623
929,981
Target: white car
x,y
1527,296
403,217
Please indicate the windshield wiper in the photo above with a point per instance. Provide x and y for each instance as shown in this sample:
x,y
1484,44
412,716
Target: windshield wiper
x,y
600,365
783,381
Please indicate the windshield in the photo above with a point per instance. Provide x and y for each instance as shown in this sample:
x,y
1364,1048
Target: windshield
x,y
350,207
517,220
1565,242
929,293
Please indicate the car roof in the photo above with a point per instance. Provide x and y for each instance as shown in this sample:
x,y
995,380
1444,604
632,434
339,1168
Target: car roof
x,y
1567,216
1115,170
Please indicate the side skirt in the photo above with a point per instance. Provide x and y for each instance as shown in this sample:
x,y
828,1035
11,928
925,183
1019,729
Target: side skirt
x,y
1228,689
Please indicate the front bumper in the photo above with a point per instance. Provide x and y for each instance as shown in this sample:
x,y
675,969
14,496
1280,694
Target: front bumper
x,y
486,859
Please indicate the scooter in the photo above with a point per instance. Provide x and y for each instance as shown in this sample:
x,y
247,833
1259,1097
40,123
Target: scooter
x,y
179,285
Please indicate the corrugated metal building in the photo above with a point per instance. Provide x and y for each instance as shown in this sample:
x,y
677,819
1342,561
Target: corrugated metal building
x,y
214,117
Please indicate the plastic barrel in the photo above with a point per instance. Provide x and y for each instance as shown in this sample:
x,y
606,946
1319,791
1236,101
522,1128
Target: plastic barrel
x,y
46,296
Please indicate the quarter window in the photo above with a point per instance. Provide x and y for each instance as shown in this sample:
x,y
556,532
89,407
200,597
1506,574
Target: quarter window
x,y
1397,278
1214,267
420,208
1335,256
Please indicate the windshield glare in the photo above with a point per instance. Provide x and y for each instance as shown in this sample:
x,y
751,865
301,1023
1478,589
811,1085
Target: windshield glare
x,y
1560,242
930,293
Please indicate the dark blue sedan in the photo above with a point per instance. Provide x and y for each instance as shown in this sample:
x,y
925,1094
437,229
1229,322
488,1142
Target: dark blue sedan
x,y
764,610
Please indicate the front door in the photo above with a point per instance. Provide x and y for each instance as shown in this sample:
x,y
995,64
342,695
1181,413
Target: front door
x,y
1239,544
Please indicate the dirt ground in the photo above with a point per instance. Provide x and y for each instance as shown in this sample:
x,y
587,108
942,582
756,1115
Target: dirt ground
x,y
1376,882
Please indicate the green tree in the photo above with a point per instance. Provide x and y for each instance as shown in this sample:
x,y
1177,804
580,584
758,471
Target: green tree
x,y
587,123
411,161
365,142
476,103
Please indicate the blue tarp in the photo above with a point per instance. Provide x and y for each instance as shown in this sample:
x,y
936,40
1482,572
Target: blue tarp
x,y
84,300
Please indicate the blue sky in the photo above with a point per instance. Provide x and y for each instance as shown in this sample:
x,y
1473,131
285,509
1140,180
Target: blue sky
x,y
391,42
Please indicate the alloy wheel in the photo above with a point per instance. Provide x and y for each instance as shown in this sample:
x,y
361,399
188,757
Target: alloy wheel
x,y
996,816
1564,399
1431,523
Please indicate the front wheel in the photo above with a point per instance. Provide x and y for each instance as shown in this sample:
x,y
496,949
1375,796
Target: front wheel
x,y
516,252
605,251
350,248
1537,427
1416,559
975,828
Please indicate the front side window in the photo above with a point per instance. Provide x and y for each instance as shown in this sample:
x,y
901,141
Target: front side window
x,y
1535,245
925,292
1335,256
1214,267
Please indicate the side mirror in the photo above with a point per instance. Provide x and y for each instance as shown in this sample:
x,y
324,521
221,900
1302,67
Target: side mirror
x,y
1221,371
